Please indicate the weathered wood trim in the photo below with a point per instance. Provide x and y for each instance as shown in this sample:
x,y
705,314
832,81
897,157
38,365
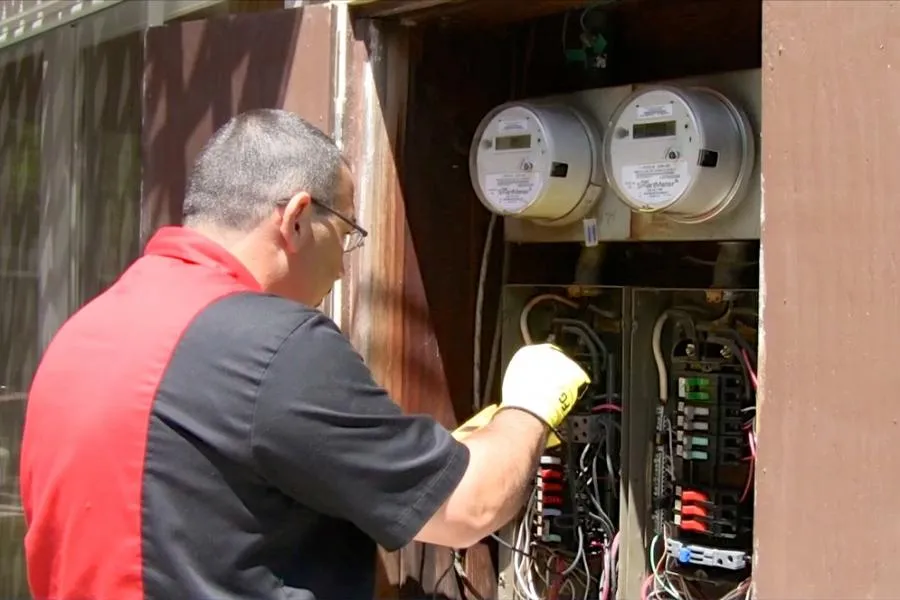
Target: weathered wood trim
x,y
829,419
384,307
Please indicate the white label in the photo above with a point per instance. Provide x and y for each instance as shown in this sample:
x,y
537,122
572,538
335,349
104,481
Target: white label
x,y
507,126
512,192
590,232
655,184
655,111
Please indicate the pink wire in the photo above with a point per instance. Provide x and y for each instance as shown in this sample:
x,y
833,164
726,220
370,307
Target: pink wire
x,y
749,480
611,571
602,407
753,378
751,439
645,588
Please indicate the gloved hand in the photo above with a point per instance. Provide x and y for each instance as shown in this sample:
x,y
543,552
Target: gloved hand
x,y
543,381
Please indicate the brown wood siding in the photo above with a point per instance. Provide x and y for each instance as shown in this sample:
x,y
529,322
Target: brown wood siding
x,y
829,420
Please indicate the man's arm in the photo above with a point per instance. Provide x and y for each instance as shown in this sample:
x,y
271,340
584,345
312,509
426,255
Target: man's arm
x,y
503,457
327,435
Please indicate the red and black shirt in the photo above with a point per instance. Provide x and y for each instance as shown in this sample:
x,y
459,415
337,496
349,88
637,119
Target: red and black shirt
x,y
188,436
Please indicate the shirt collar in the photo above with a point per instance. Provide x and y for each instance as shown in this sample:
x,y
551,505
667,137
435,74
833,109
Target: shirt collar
x,y
192,246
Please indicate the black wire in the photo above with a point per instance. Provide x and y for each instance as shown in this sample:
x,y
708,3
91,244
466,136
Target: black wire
x,y
509,546
686,320
591,333
437,584
595,360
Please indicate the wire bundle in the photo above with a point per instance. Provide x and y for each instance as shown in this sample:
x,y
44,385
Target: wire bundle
x,y
542,572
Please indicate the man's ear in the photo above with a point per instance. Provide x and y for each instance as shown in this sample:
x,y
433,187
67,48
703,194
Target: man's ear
x,y
295,219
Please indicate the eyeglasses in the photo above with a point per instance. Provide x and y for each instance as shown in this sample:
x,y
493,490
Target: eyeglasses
x,y
357,235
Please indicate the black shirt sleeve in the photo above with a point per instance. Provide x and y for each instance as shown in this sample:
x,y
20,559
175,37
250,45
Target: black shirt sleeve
x,y
327,435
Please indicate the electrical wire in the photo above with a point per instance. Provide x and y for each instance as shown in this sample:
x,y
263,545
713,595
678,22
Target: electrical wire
x,y
751,434
529,306
498,330
479,311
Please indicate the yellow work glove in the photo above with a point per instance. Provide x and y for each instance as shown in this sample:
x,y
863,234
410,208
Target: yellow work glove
x,y
484,417
543,381
481,419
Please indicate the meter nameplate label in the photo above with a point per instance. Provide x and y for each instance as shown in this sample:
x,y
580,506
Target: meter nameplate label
x,y
508,126
654,111
512,192
655,184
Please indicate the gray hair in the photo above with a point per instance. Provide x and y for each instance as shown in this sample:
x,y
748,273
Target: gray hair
x,y
257,160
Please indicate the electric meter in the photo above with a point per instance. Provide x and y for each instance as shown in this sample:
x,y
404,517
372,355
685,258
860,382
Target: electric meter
x,y
537,161
687,153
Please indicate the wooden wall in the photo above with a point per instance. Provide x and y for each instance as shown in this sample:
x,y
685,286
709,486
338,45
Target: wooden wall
x,y
827,515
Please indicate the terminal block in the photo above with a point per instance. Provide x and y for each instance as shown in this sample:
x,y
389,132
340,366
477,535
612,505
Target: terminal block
x,y
694,554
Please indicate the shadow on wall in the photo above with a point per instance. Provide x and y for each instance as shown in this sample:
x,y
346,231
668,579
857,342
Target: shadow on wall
x,y
198,74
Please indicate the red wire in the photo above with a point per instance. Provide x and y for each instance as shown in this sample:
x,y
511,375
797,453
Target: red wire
x,y
553,592
602,407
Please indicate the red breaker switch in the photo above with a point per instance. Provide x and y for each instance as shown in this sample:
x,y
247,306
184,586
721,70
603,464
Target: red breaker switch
x,y
550,486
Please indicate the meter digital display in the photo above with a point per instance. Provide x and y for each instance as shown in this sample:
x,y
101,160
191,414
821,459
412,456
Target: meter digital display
x,y
513,142
642,131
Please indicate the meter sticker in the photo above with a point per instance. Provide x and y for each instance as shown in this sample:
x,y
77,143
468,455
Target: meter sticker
x,y
656,184
512,192
654,111
506,126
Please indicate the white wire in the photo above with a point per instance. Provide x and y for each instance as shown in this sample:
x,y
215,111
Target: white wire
x,y
523,567
656,578
663,375
526,311
479,311
658,356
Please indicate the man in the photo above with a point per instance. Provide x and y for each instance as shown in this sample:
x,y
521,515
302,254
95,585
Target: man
x,y
199,431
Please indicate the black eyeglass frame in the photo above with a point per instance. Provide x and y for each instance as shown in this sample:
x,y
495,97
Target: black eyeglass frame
x,y
361,234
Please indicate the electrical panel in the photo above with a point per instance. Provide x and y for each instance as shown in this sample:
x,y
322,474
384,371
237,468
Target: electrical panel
x,y
692,378
650,492
565,543
679,161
